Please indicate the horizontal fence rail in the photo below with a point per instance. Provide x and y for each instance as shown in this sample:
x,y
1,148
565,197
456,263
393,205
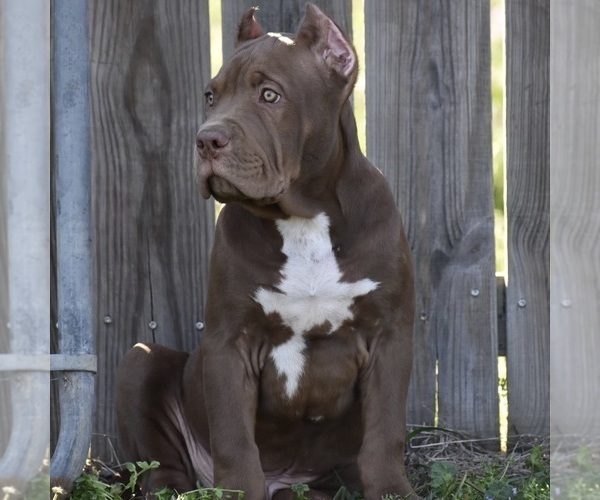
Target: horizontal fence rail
x,y
48,362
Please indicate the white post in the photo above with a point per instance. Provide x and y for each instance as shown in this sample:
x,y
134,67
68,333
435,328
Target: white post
x,y
26,131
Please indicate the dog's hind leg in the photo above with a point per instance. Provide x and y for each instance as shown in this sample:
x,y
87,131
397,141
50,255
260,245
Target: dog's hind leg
x,y
149,416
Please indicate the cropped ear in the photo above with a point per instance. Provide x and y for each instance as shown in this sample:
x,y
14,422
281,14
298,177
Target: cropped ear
x,y
328,42
249,29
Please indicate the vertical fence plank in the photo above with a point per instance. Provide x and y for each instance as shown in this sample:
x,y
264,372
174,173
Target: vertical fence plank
x,y
575,227
528,191
428,128
393,52
153,233
280,16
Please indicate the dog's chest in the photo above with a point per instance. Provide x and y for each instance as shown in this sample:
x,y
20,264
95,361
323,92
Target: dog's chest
x,y
311,293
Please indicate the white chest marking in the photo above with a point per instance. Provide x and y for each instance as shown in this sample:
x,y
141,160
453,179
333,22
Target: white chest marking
x,y
312,292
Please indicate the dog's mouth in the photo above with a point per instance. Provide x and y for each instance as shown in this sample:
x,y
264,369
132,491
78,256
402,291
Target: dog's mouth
x,y
226,180
222,190
225,192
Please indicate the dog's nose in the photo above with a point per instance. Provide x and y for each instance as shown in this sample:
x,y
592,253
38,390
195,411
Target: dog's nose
x,y
211,141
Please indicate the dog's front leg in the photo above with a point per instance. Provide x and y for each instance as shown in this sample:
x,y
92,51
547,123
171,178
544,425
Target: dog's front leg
x,y
384,389
229,390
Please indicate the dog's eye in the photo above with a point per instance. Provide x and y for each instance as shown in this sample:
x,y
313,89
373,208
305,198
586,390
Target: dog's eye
x,y
270,96
209,98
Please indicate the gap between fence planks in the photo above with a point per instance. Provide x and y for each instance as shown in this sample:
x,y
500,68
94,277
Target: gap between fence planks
x,y
152,231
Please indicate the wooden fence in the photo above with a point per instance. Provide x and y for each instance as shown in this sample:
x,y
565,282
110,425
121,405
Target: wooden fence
x,y
428,102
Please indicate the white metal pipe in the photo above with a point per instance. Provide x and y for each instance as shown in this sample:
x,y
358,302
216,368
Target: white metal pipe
x,y
26,129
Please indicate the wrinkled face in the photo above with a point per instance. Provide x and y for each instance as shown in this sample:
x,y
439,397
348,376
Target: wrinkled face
x,y
263,110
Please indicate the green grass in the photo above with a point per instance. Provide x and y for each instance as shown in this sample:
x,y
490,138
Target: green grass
x,y
445,465
576,471
452,471
91,487
490,482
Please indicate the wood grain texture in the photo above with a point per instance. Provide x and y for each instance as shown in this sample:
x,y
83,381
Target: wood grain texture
x,y
428,129
575,222
527,210
278,16
152,232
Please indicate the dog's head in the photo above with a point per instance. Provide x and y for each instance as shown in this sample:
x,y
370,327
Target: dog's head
x,y
272,111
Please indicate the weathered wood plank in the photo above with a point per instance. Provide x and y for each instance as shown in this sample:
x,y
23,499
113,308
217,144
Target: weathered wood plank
x,y
153,233
575,223
527,210
428,128
280,16
391,43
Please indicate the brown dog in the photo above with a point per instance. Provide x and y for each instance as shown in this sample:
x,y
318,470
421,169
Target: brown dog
x,y
303,372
